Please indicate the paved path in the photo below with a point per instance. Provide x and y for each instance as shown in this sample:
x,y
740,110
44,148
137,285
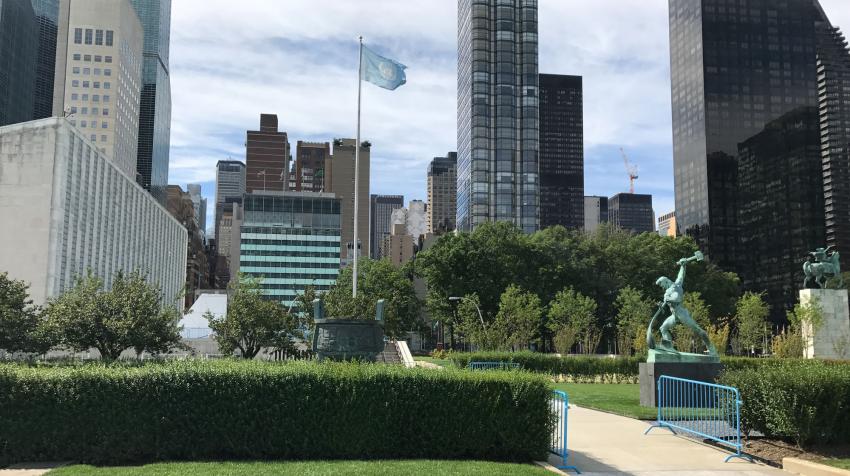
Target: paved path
x,y
29,469
604,444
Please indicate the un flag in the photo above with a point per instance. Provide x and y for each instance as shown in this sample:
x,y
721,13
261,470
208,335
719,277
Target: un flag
x,y
381,71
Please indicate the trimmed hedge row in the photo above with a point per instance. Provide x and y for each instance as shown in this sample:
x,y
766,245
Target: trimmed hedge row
x,y
576,368
195,410
801,401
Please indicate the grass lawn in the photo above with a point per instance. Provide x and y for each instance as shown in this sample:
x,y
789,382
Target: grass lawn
x,y
620,398
309,468
441,362
843,463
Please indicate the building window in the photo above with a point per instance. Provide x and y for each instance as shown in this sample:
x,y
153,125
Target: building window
x,y
97,84
73,109
85,84
105,112
107,72
98,37
95,97
106,85
94,111
89,34
76,57
83,124
107,59
86,70
93,137
103,137
84,111
85,97
75,83
75,70
109,34
104,125
97,71
97,58
105,98
78,36
86,57
75,96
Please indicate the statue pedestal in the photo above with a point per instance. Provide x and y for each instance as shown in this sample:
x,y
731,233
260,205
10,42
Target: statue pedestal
x,y
700,367
831,340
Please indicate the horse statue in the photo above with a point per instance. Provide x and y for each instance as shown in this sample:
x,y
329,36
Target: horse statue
x,y
825,266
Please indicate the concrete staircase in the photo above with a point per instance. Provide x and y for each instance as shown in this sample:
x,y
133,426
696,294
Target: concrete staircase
x,y
389,355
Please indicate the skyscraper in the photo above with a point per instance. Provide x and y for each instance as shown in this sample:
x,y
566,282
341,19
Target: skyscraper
x,y
442,193
229,187
746,149
561,151
267,157
199,203
155,108
497,114
339,180
631,212
99,74
380,224
47,15
595,212
18,58
310,158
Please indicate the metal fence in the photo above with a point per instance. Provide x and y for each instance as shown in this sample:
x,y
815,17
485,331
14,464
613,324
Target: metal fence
x,y
701,409
493,366
560,405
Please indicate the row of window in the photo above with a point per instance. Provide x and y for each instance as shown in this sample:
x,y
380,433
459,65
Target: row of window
x,y
96,84
88,58
85,111
92,124
95,71
85,97
91,36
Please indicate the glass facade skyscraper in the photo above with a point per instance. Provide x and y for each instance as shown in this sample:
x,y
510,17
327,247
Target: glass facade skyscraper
x,y
18,57
47,15
747,159
561,151
155,107
497,113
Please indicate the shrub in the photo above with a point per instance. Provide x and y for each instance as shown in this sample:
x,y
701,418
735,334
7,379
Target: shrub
x,y
574,368
109,414
802,401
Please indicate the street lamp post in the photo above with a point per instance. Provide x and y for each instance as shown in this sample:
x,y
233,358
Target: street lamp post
x,y
480,316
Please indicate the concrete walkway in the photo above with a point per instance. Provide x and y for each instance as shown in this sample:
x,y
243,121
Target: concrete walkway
x,y
29,469
604,444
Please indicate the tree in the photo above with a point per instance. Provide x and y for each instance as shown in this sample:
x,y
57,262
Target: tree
x,y
633,315
478,329
304,307
376,280
686,339
573,314
750,318
252,322
518,318
21,325
129,315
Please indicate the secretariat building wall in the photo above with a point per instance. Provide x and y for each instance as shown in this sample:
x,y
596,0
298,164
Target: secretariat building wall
x,y
66,208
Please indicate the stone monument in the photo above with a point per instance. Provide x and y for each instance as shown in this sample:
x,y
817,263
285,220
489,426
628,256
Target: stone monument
x,y
663,358
348,338
829,338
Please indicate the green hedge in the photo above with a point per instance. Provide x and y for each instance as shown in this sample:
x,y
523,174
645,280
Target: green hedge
x,y
196,410
801,401
575,368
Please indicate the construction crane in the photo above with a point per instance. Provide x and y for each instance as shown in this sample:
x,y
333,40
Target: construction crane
x,y
631,170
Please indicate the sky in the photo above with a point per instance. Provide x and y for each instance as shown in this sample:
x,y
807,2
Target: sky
x,y
231,61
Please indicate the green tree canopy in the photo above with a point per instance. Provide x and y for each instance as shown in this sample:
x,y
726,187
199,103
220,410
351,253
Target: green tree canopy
x,y
751,319
21,325
253,322
129,315
376,280
634,312
518,318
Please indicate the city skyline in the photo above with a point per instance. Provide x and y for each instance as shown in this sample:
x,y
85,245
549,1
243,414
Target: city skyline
x,y
620,48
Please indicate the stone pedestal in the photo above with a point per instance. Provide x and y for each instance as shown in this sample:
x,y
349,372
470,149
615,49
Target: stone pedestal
x,y
831,339
650,372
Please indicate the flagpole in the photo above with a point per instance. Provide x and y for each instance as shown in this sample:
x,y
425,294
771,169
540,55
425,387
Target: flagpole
x,y
357,171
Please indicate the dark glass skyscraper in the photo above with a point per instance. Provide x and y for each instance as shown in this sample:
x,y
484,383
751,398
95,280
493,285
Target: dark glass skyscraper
x,y
747,161
497,113
561,151
18,57
155,107
631,212
47,15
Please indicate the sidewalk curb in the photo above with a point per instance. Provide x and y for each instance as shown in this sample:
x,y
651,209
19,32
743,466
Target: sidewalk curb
x,y
810,468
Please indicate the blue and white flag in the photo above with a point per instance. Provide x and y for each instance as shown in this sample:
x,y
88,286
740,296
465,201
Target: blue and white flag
x,y
381,71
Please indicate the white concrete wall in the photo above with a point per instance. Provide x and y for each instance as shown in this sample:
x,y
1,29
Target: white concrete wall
x,y
831,340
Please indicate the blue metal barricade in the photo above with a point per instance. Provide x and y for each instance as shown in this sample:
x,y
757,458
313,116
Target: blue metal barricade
x,y
701,409
493,366
558,446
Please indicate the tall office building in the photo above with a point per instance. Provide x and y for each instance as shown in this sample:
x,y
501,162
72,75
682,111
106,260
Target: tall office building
x,y
667,224
834,110
182,207
561,151
229,189
442,194
309,167
267,157
595,212
339,180
747,154
398,246
99,74
155,107
47,15
199,203
380,224
18,58
631,212
497,114
291,240
73,210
